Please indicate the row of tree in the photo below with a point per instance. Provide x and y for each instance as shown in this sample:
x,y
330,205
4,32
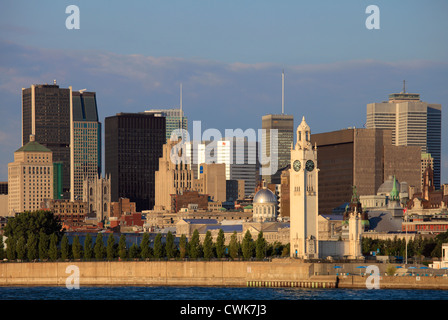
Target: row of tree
x,y
48,248
417,247
38,235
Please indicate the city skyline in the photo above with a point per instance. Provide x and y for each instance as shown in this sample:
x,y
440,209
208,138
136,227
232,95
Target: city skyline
x,y
230,88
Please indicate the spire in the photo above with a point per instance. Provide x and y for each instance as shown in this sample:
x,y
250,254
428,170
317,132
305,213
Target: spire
x,y
394,194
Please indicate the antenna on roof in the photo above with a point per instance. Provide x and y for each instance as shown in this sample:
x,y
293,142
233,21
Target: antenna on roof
x,y
283,91
404,86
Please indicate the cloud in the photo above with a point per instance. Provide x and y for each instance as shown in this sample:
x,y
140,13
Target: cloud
x,y
222,95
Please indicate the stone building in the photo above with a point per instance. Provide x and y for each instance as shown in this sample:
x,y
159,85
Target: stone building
x,y
30,177
173,177
97,195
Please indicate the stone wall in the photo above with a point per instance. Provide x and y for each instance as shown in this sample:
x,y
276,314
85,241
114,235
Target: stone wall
x,y
201,273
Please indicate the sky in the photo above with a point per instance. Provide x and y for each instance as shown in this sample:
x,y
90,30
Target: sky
x,y
229,56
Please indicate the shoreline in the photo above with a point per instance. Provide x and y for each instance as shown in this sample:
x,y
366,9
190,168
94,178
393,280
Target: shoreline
x,y
281,273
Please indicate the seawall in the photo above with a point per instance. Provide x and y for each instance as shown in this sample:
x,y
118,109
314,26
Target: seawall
x,y
164,273
276,273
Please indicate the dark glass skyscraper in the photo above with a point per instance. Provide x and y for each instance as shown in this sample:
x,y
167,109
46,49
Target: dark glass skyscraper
x,y
133,145
46,115
86,145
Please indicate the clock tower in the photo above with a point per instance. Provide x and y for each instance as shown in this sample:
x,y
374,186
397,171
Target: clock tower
x,y
304,196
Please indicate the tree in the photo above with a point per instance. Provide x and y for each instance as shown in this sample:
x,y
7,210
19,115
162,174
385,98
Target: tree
x,y
26,223
260,247
65,248
32,247
208,246
233,246
170,247
247,246
122,251
183,246
110,249
99,247
11,248
44,241
76,248
193,245
158,247
53,248
21,248
144,246
220,244
2,249
88,252
133,251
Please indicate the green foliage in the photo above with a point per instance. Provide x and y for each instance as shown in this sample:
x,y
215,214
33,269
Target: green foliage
x,y
11,248
110,249
44,242
233,246
99,248
53,248
194,245
21,248
220,244
65,248
144,246
122,251
260,247
32,247
88,251
2,248
247,246
76,248
34,222
170,247
183,246
134,251
158,247
208,246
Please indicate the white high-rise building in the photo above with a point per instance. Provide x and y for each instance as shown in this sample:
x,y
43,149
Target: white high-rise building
x,y
413,123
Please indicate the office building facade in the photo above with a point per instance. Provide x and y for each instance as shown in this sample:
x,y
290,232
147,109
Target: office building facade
x,y
413,123
133,146
284,124
85,147
175,119
30,177
363,158
46,115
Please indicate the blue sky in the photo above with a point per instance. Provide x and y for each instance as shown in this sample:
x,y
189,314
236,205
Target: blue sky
x,y
228,55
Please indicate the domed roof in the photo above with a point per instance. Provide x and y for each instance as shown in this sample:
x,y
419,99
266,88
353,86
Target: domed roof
x,y
386,187
265,196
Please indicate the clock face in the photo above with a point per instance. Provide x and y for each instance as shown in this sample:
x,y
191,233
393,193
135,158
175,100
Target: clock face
x,y
296,165
309,165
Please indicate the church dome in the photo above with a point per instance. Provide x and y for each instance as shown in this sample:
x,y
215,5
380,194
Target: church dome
x,y
386,187
265,196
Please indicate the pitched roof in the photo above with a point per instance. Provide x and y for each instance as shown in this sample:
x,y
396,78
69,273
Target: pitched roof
x,y
33,146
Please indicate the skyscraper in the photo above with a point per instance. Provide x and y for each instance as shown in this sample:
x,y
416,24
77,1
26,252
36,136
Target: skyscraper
x,y
30,177
85,147
284,124
175,119
46,115
413,123
363,158
133,146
